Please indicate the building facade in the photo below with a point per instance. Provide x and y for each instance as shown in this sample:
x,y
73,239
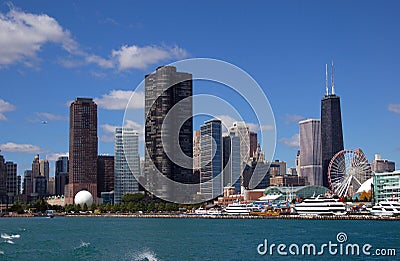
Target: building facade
x,y
232,177
386,186
310,147
166,138
105,174
253,143
61,175
196,150
211,180
382,165
127,162
82,149
241,130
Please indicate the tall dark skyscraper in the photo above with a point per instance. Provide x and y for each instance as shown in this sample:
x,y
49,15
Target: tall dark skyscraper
x,y
82,148
331,127
164,89
105,174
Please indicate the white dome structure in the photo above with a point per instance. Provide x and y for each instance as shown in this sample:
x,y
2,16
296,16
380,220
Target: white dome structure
x,y
83,197
366,186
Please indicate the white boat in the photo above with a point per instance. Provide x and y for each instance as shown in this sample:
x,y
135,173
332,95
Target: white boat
x,y
386,208
214,212
50,213
200,211
320,206
236,208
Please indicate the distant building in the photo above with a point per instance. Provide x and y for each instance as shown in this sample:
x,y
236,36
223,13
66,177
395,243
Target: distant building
x,y
277,168
382,165
253,143
276,194
39,187
36,166
256,174
164,89
45,170
211,159
386,186
331,128
51,186
28,183
61,175
105,174
9,181
292,171
82,149
310,147
241,130
196,150
231,162
287,181
127,162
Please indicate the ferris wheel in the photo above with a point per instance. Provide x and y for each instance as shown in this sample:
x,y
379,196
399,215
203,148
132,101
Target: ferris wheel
x,y
347,170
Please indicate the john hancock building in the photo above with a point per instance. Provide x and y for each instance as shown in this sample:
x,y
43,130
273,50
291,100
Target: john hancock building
x,y
164,89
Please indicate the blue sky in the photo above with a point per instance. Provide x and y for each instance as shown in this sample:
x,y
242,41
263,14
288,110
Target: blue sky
x,y
51,53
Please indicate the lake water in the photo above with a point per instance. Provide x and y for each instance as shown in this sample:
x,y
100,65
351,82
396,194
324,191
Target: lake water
x,y
74,238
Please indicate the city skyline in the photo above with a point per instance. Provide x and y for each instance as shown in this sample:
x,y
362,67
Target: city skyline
x,y
70,64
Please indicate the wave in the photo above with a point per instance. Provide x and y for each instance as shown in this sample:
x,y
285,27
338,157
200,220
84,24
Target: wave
x,y
83,245
7,236
1,252
9,242
145,255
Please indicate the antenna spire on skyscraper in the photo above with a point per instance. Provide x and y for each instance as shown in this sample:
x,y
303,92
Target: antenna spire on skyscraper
x,y
326,79
333,80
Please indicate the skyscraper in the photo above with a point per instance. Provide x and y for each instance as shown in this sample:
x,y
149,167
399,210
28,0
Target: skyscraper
x,y
211,186
61,175
127,162
231,162
331,127
241,130
44,170
310,147
105,174
196,150
82,149
163,89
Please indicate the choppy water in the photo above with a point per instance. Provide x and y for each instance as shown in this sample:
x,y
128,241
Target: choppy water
x,y
181,239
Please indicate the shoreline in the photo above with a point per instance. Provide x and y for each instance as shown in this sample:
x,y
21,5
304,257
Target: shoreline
x,y
185,216
286,217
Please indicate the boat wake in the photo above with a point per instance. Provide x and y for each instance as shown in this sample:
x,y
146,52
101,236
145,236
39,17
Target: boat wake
x,y
145,255
9,242
7,236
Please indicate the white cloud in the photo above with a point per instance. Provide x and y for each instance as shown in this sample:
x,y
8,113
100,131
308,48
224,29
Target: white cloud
x,y
22,36
119,99
293,142
50,116
109,130
21,148
394,108
136,57
227,122
56,155
293,118
5,107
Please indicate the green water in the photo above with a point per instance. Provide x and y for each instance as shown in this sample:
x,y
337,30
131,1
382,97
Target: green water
x,y
72,238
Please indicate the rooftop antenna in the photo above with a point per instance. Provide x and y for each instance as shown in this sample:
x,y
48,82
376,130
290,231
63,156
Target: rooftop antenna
x,y
326,79
333,80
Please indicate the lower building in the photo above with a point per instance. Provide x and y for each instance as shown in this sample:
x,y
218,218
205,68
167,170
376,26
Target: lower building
x,y
287,181
386,186
281,194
